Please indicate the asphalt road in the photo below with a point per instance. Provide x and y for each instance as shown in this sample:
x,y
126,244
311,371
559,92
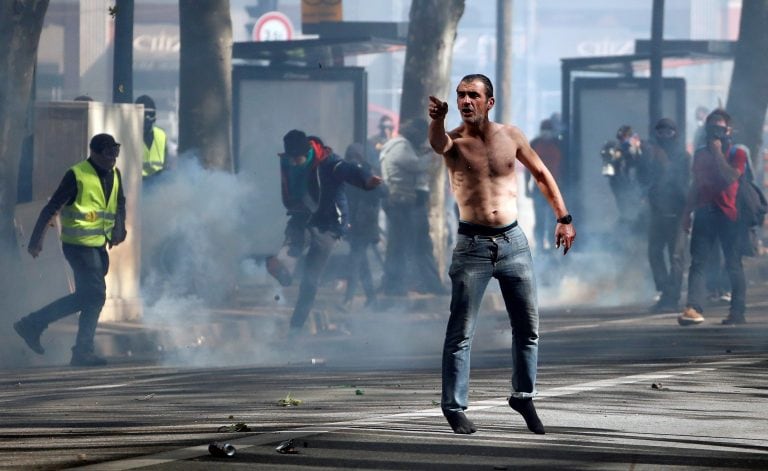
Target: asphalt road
x,y
619,389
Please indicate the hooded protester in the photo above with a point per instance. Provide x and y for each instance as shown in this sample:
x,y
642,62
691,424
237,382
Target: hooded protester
x,y
313,178
155,140
668,175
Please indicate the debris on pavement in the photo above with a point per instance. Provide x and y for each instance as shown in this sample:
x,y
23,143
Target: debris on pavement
x,y
221,449
238,427
288,401
658,386
287,447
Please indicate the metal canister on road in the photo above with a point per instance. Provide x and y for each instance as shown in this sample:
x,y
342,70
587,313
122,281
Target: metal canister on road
x,y
221,449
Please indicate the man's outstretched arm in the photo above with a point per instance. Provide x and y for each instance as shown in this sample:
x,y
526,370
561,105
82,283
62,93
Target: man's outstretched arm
x,y
438,139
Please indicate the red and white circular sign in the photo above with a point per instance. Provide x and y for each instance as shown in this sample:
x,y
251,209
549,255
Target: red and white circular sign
x,y
272,26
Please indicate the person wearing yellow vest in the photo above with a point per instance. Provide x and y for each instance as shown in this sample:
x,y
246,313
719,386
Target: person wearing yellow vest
x,y
91,206
154,140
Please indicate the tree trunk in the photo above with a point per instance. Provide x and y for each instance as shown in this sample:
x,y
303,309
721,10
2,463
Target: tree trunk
x,y
748,94
503,86
205,82
20,27
431,35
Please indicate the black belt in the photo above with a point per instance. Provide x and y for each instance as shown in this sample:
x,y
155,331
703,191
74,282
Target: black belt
x,y
469,229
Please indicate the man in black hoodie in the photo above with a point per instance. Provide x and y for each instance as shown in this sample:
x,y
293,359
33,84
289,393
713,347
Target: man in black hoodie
x,y
668,174
313,179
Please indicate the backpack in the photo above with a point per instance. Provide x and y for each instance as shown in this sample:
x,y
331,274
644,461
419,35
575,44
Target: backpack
x,y
751,203
752,206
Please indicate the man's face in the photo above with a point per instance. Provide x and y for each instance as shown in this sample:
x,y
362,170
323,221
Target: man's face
x,y
717,128
107,158
386,128
472,101
150,116
297,160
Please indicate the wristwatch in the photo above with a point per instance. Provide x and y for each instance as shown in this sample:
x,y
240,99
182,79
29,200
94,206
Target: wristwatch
x,y
565,219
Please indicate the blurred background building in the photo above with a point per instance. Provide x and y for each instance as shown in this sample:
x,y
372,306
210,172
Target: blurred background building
x,y
75,56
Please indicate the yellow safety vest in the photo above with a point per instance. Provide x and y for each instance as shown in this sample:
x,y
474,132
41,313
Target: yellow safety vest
x,y
154,157
90,219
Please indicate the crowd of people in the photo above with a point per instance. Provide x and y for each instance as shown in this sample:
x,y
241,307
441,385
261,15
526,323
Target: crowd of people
x,y
692,210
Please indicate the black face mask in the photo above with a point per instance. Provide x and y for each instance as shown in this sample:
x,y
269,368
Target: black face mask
x,y
666,142
715,131
720,133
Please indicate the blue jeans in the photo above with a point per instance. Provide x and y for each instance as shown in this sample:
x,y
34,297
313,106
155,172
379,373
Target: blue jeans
x,y
476,259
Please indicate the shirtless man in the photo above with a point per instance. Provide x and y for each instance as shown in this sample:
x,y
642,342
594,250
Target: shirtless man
x,y
480,156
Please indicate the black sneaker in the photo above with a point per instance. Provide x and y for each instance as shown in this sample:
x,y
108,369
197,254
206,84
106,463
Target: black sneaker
x,y
30,335
734,320
86,359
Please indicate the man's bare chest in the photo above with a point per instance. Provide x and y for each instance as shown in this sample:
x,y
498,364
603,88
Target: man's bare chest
x,y
486,162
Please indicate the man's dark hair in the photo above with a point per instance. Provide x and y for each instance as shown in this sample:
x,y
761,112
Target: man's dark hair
x,y
486,81
717,115
624,132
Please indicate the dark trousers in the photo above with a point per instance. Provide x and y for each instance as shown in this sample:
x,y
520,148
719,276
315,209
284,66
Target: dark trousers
x,y
425,274
90,266
359,270
710,225
666,255
295,232
410,262
320,247
399,220
544,222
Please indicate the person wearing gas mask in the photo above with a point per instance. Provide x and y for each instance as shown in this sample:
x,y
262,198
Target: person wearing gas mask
x,y
712,200
155,141
668,173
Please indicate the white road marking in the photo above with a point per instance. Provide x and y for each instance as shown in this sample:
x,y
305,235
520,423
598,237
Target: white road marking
x,y
631,320
100,386
272,437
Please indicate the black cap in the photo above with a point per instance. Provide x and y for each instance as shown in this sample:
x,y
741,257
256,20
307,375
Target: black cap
x,y
99,142
666,123
295,143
